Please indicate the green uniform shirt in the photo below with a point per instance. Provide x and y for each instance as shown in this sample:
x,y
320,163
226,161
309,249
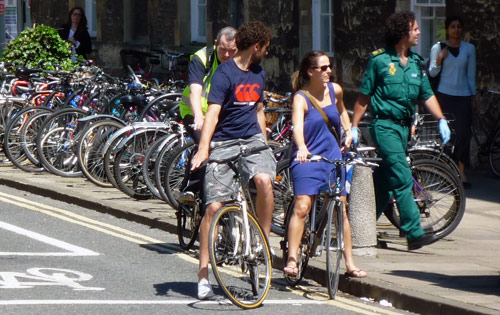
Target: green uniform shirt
x,y
394,89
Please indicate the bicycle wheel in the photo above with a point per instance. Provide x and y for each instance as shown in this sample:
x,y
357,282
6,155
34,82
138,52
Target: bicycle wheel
x,y
148,167
56,152
423,153
283,196
303,251
89,150
175,164
334,243
439,195
29,135
14,142
188,223
244,274
494,153
128,163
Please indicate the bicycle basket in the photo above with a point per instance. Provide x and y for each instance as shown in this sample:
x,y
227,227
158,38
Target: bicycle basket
x,y
271,117
427,131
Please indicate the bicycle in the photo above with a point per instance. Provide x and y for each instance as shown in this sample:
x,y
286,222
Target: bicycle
x,y
239,251
324,228
489,143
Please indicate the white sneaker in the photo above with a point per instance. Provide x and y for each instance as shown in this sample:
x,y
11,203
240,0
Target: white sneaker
x,y
186,198
205,289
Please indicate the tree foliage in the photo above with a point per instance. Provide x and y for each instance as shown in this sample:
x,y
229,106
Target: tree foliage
x,y
39,47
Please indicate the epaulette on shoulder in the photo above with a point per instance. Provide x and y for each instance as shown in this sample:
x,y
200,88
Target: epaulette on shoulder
x,y
418,56
377,52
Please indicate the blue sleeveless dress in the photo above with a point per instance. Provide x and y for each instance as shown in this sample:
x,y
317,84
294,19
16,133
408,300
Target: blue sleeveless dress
x,y
310,178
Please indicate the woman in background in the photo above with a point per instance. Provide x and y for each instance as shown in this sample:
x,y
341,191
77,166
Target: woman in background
x,y
75,31
457,87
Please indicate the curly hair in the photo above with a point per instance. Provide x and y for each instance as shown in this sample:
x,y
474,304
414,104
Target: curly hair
x,y
398,26
252,33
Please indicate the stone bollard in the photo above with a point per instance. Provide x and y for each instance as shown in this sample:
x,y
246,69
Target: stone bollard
x,y
362,213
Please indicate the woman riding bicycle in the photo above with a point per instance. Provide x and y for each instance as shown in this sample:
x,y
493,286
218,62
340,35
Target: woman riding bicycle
x,y
312,136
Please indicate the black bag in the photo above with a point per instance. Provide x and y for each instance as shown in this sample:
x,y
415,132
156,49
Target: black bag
x,y
434,81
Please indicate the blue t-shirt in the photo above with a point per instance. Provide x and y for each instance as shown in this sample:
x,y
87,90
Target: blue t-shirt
x,y
196,71
238,92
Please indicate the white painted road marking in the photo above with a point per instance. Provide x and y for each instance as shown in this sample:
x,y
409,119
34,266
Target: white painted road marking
x,y
46,277
152,302
72,250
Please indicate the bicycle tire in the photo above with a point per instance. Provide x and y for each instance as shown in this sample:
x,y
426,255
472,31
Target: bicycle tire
x,y
175,164
439,216
188,224
7,112
245,279
283,196
334,246
148,167
30,134
303,251
13,145
65,162
494,153
160,166
128,164
89,150
56,154
426,153
109,155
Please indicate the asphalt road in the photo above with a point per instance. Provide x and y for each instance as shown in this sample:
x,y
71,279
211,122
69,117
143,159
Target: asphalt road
x,y
57,258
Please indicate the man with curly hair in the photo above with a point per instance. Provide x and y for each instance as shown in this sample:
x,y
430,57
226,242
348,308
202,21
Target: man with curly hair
x,y
235,117
392,83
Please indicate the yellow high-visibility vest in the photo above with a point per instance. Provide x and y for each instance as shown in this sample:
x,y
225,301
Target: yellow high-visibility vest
x,y
184,106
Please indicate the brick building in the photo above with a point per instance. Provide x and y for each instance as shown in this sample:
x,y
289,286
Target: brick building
x,y
347,29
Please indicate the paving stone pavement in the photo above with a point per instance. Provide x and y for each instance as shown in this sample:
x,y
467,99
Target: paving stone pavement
x,y
459,274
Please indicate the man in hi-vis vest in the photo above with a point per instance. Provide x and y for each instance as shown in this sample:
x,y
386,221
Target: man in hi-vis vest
x,y
193,105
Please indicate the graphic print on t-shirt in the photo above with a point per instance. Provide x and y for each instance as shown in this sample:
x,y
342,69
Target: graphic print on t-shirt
x,y
246,94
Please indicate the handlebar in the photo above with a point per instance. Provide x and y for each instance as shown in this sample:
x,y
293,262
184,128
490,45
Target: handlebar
x,y
285,99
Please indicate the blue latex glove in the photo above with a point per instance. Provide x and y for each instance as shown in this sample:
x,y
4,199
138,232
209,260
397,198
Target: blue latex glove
x,y
355,135
444,130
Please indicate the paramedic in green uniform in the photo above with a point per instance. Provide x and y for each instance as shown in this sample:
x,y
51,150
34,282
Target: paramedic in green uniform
x,y
393,82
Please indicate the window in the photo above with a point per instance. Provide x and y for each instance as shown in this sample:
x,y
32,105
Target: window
x,y
90,12
322,17
198,20
430,16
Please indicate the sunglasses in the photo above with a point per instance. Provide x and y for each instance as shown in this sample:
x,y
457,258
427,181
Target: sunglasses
x,y
324,68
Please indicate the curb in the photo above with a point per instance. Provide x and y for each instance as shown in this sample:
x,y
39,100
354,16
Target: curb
x,y
401,298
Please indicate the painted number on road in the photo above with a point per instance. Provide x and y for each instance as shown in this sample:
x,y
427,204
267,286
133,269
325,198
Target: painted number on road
x,y
45,276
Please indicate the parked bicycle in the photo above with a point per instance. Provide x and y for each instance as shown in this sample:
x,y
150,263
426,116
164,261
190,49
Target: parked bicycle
x,y
487,141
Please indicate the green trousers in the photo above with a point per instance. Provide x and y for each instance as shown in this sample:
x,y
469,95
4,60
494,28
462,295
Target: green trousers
x,y
393,176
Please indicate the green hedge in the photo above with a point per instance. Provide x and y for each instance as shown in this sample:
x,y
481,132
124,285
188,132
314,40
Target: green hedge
x,y
39,47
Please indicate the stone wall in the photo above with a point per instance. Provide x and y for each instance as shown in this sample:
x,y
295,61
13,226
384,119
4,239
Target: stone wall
x,y
55,14
281,17
358,32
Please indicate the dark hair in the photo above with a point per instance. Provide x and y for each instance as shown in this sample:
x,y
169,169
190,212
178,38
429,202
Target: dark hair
x,y
450,19
301,77
398,26
252,33
83,18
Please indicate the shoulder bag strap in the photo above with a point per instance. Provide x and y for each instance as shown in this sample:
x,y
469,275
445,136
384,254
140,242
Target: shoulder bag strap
x,y
322,113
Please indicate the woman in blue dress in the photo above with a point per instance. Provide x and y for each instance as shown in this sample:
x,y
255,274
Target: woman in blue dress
x,y
312,136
